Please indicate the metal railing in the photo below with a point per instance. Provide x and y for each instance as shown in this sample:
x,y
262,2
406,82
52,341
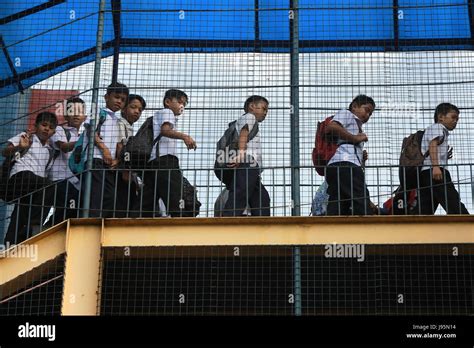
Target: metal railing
x,y
121,193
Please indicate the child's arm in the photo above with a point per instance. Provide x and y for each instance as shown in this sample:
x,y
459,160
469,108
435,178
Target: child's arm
x,y
433,151
23,145
243,140
66,147
107,156
342,133
168,132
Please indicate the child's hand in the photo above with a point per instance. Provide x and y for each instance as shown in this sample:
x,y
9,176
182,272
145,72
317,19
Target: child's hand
x,y
190,143
25,141
437,174
107,156
359,138
114,163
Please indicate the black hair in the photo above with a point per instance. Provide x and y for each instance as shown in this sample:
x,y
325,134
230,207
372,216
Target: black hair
x,y
46,116
443,109
254,99
174,93
360,100
117,87
71,101
132,97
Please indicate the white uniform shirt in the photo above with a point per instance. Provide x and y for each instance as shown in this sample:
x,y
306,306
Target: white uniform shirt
x,y
432,132
109,133
34,159
254,148
60,168
125,130
167,145
348,152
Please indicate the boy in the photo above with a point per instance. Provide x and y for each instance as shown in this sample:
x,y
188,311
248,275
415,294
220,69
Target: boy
x,y
128,182
168,176
63,141
245,185
33,156
106,143
348,194
435,180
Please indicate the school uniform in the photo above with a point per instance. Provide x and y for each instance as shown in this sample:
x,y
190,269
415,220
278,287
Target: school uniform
x,y
245,184
433,193
348,193
27,185
102,202
166,180
128,197
67,186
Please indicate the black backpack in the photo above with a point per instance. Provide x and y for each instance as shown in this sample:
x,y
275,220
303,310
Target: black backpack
x,y
227,143
137,151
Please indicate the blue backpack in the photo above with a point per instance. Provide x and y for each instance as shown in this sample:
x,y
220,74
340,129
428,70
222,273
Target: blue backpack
x,y
78,158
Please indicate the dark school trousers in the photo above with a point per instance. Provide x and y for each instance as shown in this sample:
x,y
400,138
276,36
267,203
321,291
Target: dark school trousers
x,y
128,199
348,193
246,188
33,197
102,200
66,201
433,193
165,181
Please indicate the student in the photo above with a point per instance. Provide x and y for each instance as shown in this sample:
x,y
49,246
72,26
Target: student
x,y
436,186
348,193
128,199
167,176
102,202
245,187
63,141
33,157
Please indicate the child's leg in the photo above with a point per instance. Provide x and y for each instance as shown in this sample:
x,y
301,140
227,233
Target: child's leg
x,y
359,193
427,202
447,195
149,199
338,177
170,183
243,186
102,190
260,200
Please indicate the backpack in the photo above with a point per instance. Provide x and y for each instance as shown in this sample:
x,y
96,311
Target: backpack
x,y
401,203
78,158
136,152
411,160
226,145
191,202
320,201
325,146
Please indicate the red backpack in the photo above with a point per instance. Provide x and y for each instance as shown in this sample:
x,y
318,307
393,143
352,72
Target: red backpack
x,y
325,146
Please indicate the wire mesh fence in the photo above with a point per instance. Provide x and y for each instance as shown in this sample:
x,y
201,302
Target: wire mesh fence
x,y
37,292
409,56
261,280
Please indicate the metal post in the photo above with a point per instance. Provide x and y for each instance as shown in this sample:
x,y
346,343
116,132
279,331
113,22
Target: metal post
x,y
94,109
295,111
295,147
